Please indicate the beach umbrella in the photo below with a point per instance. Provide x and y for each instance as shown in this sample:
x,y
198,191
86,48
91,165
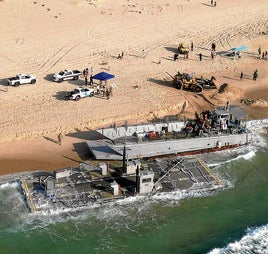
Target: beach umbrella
x,y
103,76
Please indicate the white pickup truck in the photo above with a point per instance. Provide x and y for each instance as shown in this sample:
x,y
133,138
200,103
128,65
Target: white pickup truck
x,y
21,79
66,75
80,92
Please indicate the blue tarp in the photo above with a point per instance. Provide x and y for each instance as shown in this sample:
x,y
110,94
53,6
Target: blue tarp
x,y
103,76
241,48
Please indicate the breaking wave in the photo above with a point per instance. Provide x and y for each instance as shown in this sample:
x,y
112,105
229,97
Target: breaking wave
x,y
254,241
257,128
230,156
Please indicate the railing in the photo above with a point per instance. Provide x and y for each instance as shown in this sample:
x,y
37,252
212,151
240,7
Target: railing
x,y
208,170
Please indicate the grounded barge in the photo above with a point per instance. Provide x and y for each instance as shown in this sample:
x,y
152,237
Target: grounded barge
x,y
71,189
124,175
210,131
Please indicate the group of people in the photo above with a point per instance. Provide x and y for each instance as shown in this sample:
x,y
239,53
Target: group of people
x,y
104,91
85,75
262,55
120,56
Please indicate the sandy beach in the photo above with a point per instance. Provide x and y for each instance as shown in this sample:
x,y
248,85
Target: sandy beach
x,y
49,36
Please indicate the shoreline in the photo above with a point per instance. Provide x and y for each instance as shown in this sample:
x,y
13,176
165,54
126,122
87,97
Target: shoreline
x,y
44,154
148,32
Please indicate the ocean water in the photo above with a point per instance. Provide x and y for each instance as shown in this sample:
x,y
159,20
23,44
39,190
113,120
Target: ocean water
x,y
233,220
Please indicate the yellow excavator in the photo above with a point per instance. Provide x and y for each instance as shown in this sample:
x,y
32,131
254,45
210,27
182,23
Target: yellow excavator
x,y
189,82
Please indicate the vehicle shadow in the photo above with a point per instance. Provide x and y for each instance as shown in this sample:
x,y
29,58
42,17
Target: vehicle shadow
x,y
171,49
61,96
4,85
3,82
160,82
78,82
49,77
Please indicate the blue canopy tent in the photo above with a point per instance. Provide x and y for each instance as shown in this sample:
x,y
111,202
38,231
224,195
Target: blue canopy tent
x,y
103,76
241,48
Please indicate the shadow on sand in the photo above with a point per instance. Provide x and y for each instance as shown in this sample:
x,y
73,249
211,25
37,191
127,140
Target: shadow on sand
x,y
3,82
87,135
209,5
51,139
171,49
49,77
61,96
160,82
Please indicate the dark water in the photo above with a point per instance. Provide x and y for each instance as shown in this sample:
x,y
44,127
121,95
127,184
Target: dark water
x,y
231,221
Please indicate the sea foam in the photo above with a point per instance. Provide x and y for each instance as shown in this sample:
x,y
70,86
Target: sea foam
x,y
9,185
254,241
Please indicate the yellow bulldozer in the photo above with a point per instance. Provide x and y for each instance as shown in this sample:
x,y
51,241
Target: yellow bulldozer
x,y
183,48
189,82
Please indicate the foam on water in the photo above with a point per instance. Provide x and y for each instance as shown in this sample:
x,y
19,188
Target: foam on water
x,y
9,185
234,155
254,241
257,128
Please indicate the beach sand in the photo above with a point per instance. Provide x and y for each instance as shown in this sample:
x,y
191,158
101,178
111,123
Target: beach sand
x,y
49,36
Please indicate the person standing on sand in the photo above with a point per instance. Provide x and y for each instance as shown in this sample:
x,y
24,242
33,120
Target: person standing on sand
x,y
241,75
98,89
85,73
107,93
255,75
59,138
200,56
192,46
111,91
212,54
259,51
91,80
